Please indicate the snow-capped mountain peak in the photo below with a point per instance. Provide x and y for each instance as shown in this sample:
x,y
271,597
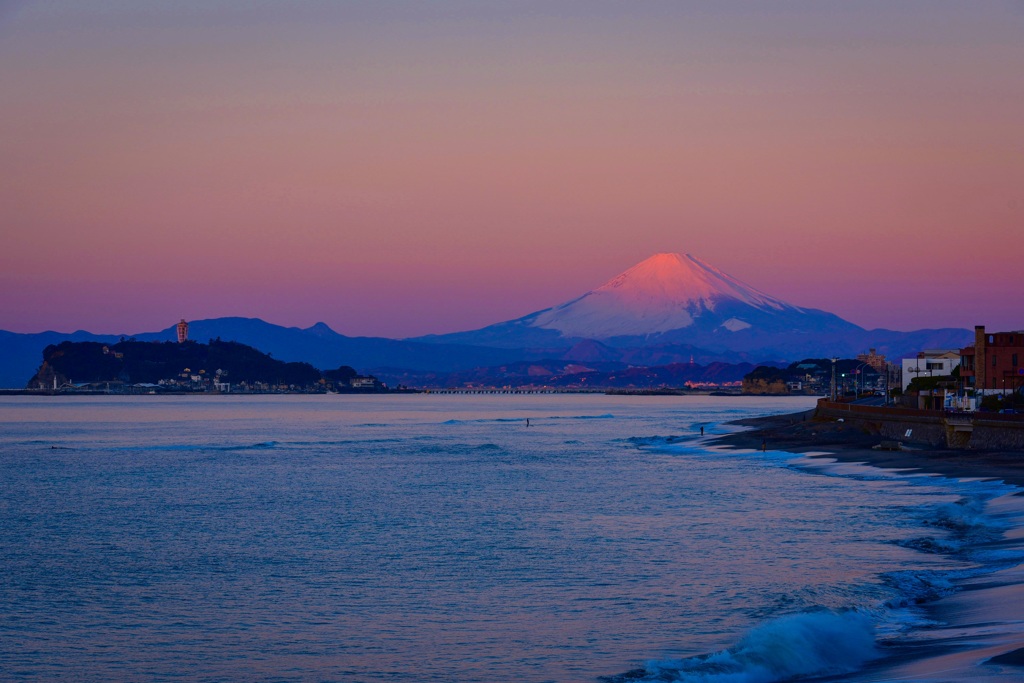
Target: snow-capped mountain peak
x,y
670,306
685,278
664,292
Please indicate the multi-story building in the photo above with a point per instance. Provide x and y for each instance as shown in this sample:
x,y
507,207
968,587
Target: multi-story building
x,y
875,360
930,363
994,363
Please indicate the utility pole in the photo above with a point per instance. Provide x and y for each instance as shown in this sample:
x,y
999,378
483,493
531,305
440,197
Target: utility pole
x,y
833,391
886,401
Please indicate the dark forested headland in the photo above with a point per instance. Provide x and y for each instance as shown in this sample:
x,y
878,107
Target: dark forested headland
x,y
131,366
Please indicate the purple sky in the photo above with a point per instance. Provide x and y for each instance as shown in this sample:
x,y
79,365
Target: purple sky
x,y
403,168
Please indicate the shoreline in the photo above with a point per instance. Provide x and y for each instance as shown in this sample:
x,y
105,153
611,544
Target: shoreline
x,y
958,646
801,434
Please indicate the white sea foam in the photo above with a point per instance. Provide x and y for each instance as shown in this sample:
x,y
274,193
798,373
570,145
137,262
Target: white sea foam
x,y
829,643
965,517
916,587
806,644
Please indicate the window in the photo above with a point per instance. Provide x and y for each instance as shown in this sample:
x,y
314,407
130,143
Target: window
x,y
1013,360
993,360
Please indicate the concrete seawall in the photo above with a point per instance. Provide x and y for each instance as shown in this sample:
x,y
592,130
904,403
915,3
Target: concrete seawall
x,y
980,431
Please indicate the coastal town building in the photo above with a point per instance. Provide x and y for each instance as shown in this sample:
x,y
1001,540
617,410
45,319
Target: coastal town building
x,y
875,360
940,398
994,364
930,363
182,331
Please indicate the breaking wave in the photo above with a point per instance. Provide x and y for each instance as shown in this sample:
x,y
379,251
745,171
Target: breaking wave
x,y
929,544
794,646
655,441
249,447
966,518
180,447
825,642
489,420
916,587
965,521
674,445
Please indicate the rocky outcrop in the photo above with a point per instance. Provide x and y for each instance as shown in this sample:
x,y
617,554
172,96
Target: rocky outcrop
x,y
47,377
764,387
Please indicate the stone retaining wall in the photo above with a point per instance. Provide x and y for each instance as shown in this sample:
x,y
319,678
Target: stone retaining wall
x,y
997,435
931,427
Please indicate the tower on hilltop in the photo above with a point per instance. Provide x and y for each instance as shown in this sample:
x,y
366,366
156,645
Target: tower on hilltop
x,y
182,331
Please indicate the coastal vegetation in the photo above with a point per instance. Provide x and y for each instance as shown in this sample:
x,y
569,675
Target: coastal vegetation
x,y
188,366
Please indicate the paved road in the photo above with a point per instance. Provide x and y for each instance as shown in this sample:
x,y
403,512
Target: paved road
x,y
871,401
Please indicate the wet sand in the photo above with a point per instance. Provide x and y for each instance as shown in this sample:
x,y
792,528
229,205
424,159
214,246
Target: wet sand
x,y
801,433
977,637
979,633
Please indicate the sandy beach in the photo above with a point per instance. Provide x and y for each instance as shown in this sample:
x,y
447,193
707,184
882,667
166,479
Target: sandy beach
x,y
979,630
801,433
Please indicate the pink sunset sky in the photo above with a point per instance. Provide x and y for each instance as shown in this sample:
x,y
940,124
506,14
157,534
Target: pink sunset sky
x,y
404,168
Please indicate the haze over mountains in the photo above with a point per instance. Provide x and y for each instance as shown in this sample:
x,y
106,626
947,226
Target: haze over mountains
x,y
670,308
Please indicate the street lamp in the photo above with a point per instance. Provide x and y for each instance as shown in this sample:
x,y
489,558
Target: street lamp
x,y
857,373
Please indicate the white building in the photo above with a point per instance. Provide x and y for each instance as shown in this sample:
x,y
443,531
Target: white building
x,y
930,363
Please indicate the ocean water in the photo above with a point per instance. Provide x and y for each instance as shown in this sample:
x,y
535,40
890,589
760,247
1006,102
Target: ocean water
x,y
439,538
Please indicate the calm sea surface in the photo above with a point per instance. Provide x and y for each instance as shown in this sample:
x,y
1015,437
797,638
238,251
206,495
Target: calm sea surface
x,y
438,538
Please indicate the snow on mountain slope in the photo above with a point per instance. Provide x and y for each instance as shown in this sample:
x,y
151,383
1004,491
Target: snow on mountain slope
x,y
669,306
664,292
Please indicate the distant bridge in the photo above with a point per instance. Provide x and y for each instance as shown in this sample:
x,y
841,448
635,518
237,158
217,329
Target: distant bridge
x,y
513,391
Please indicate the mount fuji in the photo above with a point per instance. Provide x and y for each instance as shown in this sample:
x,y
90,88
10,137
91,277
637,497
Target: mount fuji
x,y
664,293
668,309
674,300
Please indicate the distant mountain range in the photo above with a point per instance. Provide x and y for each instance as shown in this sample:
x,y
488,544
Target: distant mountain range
x,y
668,309
319,345
673,300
